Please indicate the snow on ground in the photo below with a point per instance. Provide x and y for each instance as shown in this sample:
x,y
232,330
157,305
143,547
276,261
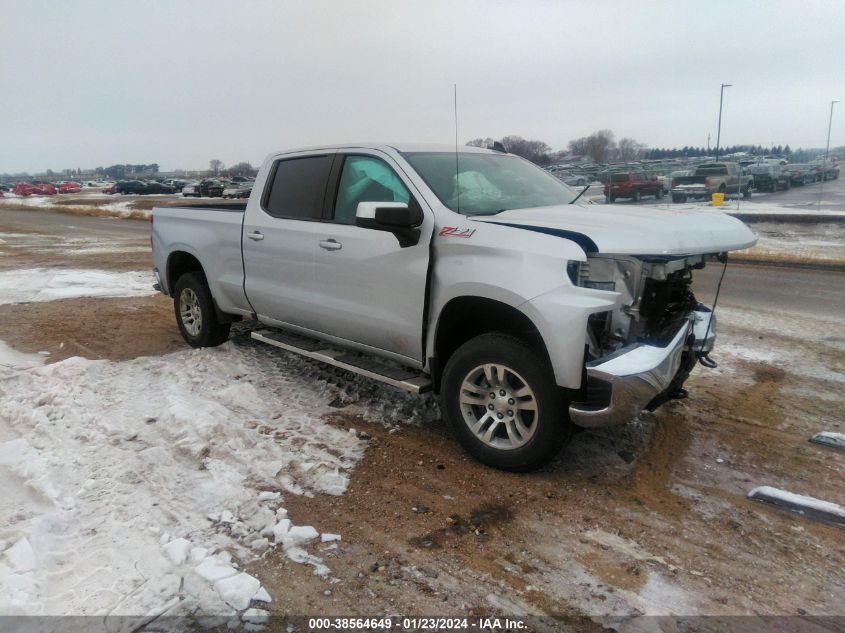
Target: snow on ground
x,y
48,284
140,487
69,246
11,360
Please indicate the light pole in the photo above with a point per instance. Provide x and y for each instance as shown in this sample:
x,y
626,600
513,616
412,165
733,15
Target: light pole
x,y
719,129
826,154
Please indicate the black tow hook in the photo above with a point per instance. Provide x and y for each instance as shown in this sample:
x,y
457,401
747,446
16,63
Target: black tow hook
x,y
708,362
679,394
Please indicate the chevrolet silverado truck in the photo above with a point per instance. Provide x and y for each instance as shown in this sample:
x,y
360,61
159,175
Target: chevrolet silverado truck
x,y
726,178
474,274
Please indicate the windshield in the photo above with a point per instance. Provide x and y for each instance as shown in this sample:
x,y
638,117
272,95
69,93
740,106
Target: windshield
x,y
484,184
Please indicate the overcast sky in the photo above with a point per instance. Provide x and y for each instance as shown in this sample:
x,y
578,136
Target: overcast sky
x,y
179,82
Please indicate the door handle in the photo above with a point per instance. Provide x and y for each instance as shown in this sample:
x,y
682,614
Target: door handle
x,y
255,235
331,245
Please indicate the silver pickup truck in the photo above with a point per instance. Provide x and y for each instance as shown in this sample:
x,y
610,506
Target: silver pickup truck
x,y
473,274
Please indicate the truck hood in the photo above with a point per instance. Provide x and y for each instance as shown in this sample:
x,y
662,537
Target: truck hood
x,y
633,230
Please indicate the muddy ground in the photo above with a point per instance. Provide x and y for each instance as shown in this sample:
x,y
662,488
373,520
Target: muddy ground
x,y
650,518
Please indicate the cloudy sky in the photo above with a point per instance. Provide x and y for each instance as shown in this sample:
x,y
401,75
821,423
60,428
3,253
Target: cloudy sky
x,y
93,83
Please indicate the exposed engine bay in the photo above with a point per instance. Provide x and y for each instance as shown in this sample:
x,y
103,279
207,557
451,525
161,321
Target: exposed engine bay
x,y
656,298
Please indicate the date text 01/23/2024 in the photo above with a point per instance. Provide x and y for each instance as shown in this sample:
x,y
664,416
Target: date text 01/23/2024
x,y
416,623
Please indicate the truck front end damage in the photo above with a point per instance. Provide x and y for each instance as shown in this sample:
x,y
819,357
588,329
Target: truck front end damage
x,y
638,355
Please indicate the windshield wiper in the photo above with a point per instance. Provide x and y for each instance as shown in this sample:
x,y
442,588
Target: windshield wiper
x,y
579,195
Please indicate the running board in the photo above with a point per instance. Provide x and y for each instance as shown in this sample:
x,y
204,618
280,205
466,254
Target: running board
x,y
399,377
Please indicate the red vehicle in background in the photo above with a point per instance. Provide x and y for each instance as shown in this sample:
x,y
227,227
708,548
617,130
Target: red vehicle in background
x,y
69,187
633,185
34,189
111,190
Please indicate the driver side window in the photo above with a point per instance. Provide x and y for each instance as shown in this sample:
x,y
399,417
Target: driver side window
x,y
366,179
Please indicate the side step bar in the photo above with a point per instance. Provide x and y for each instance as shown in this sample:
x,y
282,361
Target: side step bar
x,y
399,377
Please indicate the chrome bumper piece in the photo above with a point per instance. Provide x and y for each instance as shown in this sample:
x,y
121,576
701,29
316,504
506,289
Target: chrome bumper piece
x,y
638,373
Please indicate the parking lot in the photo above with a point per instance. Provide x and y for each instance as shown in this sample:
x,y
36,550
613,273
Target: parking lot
x,y
650,518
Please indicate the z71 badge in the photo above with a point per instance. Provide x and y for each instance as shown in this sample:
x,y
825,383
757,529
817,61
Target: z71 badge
x,y
456,231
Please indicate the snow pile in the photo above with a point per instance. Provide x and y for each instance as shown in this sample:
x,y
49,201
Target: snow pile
x,y
11,360
128,486
48,284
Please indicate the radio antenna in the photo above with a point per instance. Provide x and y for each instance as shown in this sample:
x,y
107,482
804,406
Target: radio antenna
x,y
457,169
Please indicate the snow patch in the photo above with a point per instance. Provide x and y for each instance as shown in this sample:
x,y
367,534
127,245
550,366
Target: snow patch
x,y
109,471
48,284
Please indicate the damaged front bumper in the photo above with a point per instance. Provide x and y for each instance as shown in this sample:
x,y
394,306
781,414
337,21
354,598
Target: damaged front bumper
x,y
624,383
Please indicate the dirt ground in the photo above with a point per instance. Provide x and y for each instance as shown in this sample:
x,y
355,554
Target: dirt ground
x,y
649,518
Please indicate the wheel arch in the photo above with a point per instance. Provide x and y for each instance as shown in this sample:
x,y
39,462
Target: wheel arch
x,y
467,316
179,263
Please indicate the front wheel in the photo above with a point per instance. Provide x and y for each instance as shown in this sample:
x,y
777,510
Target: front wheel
x,y
501,401
746,193
195,313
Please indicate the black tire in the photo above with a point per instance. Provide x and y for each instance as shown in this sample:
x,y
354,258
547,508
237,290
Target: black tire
x,y
678,197
746,193
658,194
612,199
548,425
208,332
636,196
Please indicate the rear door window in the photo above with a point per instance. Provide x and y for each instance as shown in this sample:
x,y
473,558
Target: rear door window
x,y
297,187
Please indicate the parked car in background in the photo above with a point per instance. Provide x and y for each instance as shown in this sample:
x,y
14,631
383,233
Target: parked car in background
x,y
34,189
139,187
633,185
710,178
769,177
176,184
572,179
211,188
800,174
70,187
191,189
203,188
237,190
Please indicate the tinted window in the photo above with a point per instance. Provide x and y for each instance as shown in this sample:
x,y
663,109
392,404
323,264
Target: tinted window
x,y
366,179
297,187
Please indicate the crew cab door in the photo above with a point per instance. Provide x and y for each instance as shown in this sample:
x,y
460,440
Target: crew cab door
x,y
372,289
280,235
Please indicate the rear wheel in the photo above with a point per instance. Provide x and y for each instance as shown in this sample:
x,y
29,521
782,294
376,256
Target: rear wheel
x,y
636,196
678,197
501,401
612,199
659,193
195,313
746,193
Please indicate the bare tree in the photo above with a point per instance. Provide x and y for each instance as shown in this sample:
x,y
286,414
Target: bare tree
x,y
241,169
215,165
628,149
481,142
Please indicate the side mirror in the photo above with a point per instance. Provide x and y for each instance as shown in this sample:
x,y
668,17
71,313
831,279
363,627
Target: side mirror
x,y
388,215
394,217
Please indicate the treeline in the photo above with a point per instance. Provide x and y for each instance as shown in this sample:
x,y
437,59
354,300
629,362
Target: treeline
x,y
753,150
602,147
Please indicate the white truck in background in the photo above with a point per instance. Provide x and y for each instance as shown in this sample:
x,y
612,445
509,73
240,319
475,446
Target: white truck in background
x,y
473,273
